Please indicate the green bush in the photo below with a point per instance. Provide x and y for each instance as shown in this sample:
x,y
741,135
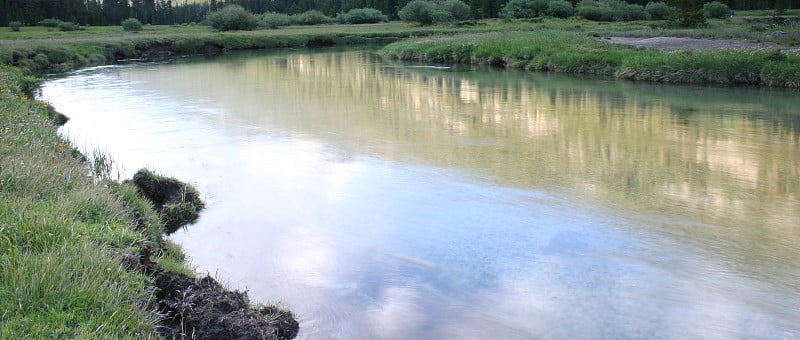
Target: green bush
x,y
686,14
232,18
523,8
362,16
717,10
634,12
312,17
275,20
595,11
131,25
458,9
560,9
69,26
657,10
14,26
424,12
50,22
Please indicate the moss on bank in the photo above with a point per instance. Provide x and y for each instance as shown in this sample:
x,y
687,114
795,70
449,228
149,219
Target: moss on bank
x,y
82,256
571,52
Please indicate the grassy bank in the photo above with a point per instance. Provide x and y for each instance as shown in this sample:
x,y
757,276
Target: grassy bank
x,y
83,256
576,52
63,236
552,45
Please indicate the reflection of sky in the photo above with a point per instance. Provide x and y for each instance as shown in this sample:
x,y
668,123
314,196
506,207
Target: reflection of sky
x,y
363,247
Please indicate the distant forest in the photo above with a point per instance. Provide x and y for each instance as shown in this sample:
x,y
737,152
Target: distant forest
x,y
161,12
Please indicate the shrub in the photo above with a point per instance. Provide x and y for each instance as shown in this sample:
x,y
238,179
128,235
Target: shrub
x,y
595,10
14,26
232,18
560,9
69,26
686,13
424,12
716,9
657,10
362,16
50,22
312,17
458,9
523,8
634,12
131,25
275,20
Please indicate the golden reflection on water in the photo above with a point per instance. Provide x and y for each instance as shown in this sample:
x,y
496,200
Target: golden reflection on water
x,y
726,158
528,132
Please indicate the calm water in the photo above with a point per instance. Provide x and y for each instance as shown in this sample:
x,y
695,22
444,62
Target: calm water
x,y
383,200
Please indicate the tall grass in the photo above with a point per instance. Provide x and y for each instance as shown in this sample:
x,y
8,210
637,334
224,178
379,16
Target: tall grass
x,y
61,236
571,52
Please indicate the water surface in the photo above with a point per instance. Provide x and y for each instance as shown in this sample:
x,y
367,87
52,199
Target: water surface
x,y
385,200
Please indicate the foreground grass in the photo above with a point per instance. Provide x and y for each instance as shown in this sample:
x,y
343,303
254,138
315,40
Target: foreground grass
x,y
62,237
573,52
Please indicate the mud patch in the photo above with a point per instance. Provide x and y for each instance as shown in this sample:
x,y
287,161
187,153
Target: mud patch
x,y
211,48
202,309
320,42
155,50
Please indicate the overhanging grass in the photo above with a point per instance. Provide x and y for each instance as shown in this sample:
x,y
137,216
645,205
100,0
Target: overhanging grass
x,y
571,52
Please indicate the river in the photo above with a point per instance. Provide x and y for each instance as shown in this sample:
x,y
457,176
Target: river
x,y
400,201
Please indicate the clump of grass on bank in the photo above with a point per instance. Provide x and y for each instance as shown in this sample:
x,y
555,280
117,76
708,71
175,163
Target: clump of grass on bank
x,y
61,236
581,54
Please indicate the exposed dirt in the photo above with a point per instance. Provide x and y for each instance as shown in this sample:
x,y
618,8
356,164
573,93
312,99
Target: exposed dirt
x,y
691,44
202,309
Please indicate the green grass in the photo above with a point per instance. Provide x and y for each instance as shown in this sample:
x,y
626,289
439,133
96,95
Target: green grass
x,y
62,236
581,54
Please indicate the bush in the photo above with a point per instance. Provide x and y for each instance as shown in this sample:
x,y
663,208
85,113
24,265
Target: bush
x,y
595,11
232,18
634,12
716,9
657,10
69,26
50,22
14,26
560,9
275,20
312,17
458,9
424,12
523,8
131,25
363,16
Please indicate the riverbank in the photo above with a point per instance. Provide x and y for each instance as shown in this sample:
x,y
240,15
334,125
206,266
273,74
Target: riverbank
x,y
83,255
570,52
572,46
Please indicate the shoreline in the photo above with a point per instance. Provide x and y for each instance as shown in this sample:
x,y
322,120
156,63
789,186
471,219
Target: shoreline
x,y
85,255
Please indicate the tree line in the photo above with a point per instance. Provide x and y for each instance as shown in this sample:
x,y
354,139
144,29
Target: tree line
x,y
161,12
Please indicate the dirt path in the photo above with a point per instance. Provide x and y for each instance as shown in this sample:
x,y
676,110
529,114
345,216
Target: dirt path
x,y
691,44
